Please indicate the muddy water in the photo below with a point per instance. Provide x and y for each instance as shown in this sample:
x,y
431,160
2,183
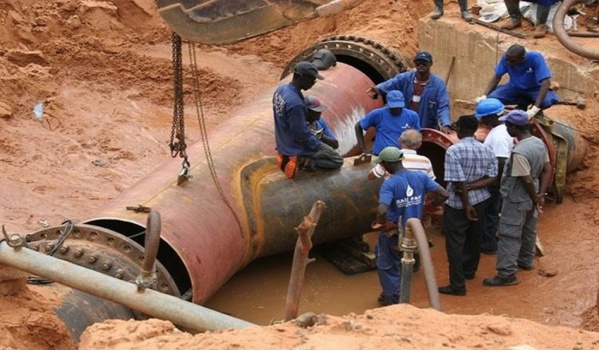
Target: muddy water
x,y
258,292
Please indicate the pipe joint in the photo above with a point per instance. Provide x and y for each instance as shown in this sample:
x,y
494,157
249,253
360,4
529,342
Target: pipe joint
x,y
15,241
146,280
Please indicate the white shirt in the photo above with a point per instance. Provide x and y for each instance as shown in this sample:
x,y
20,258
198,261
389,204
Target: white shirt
x,y
500,141
411,161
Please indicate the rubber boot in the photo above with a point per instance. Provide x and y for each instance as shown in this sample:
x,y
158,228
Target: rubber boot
x,y
541,27
513,9
465,12
438,10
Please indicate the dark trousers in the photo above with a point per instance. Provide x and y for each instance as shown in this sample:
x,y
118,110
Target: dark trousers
x,y
462,243
489,234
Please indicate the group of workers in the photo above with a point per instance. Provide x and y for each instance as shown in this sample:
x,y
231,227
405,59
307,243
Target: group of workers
x,y
513,9
508,173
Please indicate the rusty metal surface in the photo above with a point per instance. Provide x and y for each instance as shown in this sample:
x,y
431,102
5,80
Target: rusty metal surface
x,y
276,204
196,223
225,21
149,302
101,250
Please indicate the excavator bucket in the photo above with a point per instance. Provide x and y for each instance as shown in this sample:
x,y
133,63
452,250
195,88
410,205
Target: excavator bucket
x,y
220,22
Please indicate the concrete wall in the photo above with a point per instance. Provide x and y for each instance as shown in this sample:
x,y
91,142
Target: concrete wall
x,y
477,49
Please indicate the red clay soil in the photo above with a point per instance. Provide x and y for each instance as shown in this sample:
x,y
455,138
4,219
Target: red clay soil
x,y
103,71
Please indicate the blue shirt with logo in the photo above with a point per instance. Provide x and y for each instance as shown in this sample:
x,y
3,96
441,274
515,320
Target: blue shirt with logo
x,y
292,134
433,108
526,75
404,193
388,126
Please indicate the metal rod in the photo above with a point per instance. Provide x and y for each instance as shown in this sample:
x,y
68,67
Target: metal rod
x,y
408,245
147,275
499,29
150,302
301,260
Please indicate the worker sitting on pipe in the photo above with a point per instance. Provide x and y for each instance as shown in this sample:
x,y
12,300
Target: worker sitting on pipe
x,y
530,81
326,157
294,141
401,196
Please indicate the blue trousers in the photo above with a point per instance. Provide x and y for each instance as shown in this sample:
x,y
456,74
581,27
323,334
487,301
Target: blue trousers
x,y
509,95
388,264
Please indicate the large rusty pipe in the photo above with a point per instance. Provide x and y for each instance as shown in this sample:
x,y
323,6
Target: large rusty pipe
x,y
563,37
212,241
150,302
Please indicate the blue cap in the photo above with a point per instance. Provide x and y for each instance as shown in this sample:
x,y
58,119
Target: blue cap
x,y
308,69
489,106
423,56
395,99
516,117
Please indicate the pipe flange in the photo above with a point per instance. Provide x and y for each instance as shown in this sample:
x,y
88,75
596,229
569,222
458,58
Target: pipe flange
x,y
370,57
101,250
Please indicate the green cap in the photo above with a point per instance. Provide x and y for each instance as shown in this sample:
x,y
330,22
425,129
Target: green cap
x,y
389,155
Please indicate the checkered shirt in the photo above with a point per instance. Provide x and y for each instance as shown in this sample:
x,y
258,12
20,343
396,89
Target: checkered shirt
x,y
468,161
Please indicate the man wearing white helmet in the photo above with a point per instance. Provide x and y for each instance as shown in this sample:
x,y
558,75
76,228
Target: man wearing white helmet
x,y
499,140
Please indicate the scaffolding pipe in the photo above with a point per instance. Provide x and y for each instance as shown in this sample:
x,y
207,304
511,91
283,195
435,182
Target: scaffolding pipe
x,y
414,230
152,303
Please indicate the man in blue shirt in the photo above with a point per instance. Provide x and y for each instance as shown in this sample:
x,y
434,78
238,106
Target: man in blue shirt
x,y
401,197
470,167
390,122
530,81
292,135
425,92
326,157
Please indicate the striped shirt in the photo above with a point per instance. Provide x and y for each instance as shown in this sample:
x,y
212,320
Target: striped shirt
x,y
411,161
468,161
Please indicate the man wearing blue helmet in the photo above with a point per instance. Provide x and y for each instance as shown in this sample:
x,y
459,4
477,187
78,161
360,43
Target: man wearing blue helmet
x,y
499,140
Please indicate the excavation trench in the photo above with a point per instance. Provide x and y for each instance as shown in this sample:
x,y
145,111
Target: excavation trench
x,y
211,233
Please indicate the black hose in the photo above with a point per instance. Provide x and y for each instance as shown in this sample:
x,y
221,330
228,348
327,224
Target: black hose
x,y
564,38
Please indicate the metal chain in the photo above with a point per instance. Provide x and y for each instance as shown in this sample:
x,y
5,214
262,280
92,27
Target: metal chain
x,y
204,133
179,147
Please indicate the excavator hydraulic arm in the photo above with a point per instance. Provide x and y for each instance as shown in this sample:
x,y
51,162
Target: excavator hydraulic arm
x,y
220,22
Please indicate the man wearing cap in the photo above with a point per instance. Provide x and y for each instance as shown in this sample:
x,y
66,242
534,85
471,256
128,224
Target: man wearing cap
x,y
500,141
326,157
401,197
323,59
390,121
470,167
292,135
529,84
425,92
526,177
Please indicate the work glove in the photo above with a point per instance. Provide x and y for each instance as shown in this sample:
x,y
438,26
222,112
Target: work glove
x,y
480,98
532,111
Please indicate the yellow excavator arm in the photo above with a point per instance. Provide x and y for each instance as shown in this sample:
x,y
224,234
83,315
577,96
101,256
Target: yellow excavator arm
x,y
228,21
